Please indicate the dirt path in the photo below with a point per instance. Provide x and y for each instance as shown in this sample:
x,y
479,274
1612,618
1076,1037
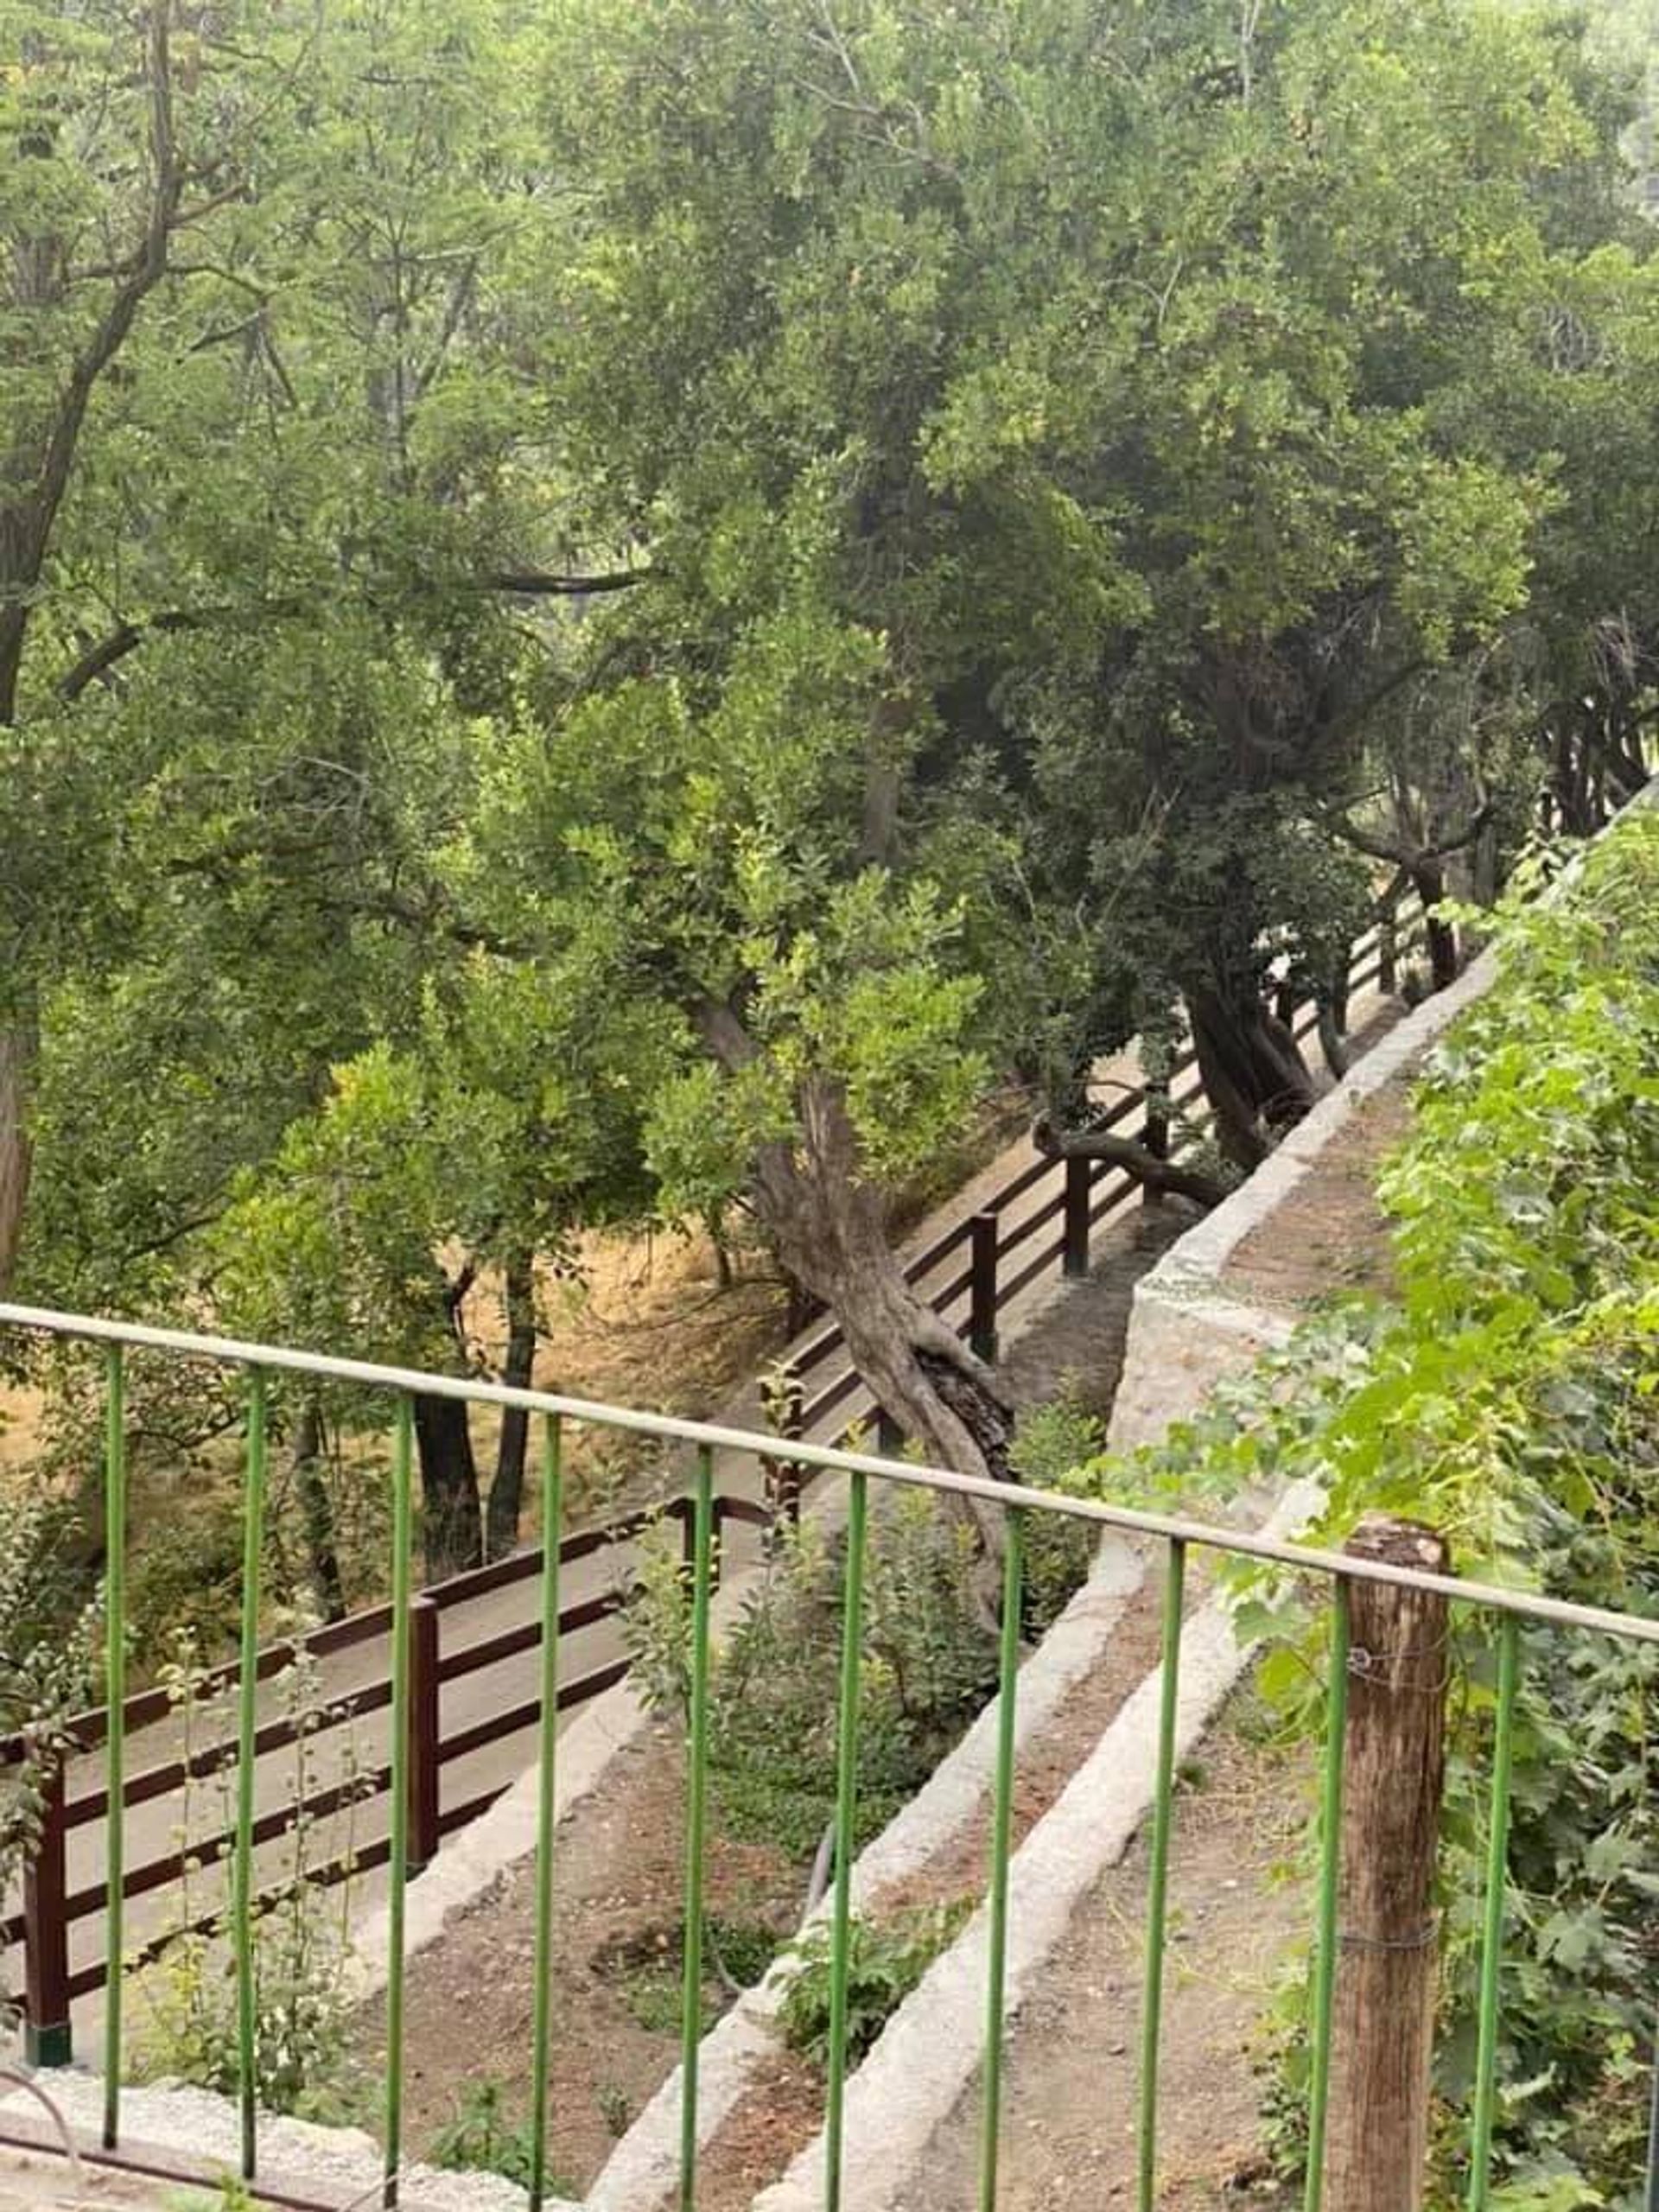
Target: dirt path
x,y
619,1877
1068,2135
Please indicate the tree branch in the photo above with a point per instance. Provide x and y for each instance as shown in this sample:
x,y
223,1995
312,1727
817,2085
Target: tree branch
x,y
1150,1170
538,584
725,1039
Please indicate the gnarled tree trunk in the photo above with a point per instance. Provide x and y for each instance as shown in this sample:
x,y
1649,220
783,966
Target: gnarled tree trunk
x,y
1253,1072
828,1223
1428,880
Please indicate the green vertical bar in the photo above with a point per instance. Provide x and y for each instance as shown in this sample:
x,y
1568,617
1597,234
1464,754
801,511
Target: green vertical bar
x,y
541,2030
1014,1571
1324,1955
1158,1873
115,1745
247,1725
852,1652
1491,1954
403,1537
696,1807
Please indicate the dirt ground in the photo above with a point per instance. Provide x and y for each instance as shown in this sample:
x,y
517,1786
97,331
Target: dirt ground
x,y
1331,1234
620,1879
1070,2086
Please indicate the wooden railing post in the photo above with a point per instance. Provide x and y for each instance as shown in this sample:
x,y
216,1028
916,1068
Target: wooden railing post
x,y
786,1408
1376,2142
423,1733
1156,1138
1079,1185
1387,951
46,2037
982,1308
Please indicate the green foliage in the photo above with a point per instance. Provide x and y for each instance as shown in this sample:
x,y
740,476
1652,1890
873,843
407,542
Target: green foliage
x,y
1511,1400
47,1665
231,2195
650,1966
885,1959
928,1663
479,2137
1132,456
188,2026
1049,1441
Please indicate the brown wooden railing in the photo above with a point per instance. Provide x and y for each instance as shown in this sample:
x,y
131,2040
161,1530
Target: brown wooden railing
x,y
1079,1195
51,1909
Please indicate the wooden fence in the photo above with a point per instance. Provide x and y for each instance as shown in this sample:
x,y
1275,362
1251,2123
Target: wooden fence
x,y
997,1264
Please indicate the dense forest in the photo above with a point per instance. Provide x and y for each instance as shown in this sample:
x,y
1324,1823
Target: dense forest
x,y
608,613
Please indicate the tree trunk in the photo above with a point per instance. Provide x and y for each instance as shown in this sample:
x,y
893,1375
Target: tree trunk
x,y
1253,1072
517,1371
452,1531
1332,1043
829,1227
317,1515
18,1043
1147,1160
1428,879
719,1243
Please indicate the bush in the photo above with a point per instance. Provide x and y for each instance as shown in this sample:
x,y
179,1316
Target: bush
x,y
928,1663
1510,1398
188,2026
480,2138
46,1669
1048,1442
885,1959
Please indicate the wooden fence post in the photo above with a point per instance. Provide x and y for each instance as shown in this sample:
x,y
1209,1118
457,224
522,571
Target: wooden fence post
x,y
1376,2142
1387,951
1079,1185
1156,1138
981,1292
423,1733
46,2038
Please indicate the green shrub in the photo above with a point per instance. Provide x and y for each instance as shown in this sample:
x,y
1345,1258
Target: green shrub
x,y
1049,1441
1510,1398
187,2021
479,2138
885,1959
928,1663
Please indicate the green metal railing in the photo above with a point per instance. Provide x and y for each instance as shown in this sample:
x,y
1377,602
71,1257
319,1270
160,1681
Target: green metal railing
x,y
262,1363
